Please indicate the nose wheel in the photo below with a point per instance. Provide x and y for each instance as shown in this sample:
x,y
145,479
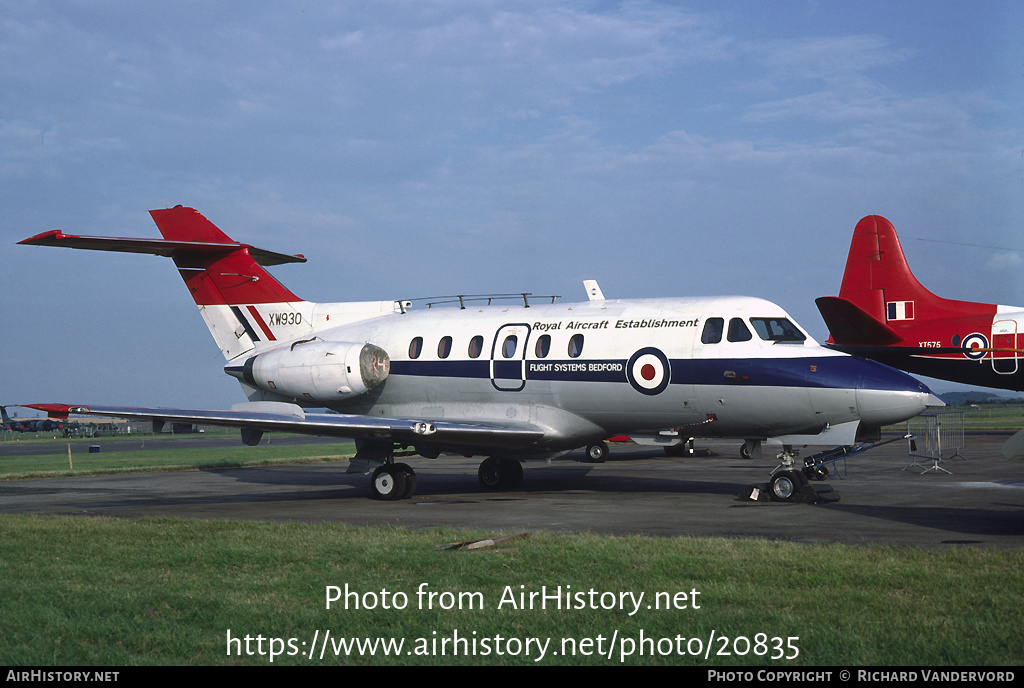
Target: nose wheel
x,y
787,482
784,485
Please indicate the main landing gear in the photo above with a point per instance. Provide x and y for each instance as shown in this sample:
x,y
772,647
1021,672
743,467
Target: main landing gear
x,y
500,474
392,481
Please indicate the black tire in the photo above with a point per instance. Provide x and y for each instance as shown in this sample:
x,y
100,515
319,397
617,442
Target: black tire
x,y
489,474
513,472
784,485
500,474
388,483
597,452
410,479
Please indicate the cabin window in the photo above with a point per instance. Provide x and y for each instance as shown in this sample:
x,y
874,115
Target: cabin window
x,y
508,349
576,346
476,346
713,328
543,346
738,331
444,347
777,330
416,347
956,340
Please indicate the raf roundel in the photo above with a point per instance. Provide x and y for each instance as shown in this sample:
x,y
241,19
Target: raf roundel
x,y
974,341
648,371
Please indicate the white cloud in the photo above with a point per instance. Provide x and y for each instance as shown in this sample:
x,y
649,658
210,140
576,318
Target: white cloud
x,y
1006,261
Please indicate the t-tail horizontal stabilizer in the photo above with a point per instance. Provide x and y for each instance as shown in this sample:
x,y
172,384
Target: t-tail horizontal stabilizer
x,y
224,277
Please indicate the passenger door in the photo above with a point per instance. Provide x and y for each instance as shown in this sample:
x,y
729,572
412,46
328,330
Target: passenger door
x,y
1004,336
508,357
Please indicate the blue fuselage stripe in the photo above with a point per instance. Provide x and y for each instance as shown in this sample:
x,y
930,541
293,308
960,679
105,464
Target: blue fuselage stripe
x,y
826,372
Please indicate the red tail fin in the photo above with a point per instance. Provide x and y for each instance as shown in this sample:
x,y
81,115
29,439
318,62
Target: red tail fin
x,y
879,282
187,224
223,271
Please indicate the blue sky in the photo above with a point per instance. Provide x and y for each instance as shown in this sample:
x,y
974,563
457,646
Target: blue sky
x,y
417,148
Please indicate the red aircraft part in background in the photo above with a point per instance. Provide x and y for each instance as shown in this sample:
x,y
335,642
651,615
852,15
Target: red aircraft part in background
x,y
883,313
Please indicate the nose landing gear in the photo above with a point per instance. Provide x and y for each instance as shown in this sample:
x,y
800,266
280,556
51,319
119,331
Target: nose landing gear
x,y
784,485
789,483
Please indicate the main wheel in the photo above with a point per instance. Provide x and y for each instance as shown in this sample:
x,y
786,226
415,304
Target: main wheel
x,y
597,453
388,482
410,479
784,486
489,474
513,471
500,474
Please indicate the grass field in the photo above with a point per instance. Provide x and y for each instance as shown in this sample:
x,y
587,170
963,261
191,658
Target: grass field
x,y
157,458
91,591
992,417
987,417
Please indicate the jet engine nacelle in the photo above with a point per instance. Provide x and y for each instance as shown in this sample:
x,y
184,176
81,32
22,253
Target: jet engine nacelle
x,y
317,370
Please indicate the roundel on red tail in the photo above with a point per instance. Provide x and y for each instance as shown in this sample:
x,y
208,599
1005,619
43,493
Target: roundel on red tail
x,y
649,371
972,342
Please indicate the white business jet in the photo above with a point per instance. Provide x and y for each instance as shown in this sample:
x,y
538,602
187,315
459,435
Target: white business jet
x,y
507,379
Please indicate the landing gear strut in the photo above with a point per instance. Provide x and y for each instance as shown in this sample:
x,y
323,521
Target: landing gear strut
x,y
500,474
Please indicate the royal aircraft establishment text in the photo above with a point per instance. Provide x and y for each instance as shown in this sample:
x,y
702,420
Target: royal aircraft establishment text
x,y
619,324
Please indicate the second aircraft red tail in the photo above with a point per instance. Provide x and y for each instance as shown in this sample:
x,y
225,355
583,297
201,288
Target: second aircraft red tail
x,y
881,303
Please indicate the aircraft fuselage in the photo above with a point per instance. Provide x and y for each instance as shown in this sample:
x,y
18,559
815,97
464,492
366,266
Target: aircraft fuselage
x,y
586,371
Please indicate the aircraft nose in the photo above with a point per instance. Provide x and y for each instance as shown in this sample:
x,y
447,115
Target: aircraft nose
x,y
886,396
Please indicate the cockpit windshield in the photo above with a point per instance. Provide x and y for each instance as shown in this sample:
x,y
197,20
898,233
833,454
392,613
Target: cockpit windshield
x,y
777,330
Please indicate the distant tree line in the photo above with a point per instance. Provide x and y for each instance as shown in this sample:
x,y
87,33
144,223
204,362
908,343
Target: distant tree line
x,y
978,397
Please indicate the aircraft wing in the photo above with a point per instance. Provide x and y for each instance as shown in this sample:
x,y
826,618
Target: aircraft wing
x,y
284,417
